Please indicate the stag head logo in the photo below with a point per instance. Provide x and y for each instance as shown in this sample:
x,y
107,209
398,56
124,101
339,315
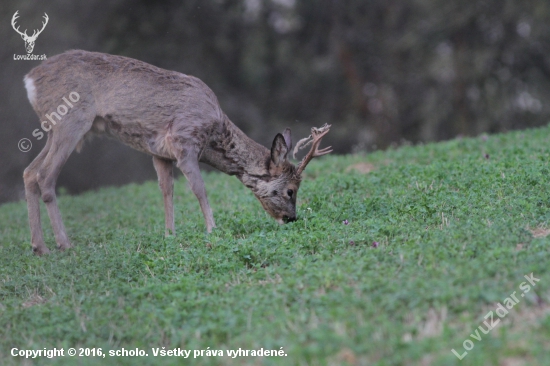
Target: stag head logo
x,y
29,40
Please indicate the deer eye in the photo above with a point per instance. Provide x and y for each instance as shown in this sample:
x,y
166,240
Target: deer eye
x,y
290,192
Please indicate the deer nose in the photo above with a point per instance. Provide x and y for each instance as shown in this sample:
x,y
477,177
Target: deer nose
x,y
287,219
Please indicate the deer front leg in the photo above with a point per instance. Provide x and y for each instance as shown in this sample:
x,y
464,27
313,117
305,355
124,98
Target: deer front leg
x,y
189,165
165,174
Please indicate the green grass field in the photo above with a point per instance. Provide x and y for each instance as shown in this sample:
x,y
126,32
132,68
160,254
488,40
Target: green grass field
x,y
458,226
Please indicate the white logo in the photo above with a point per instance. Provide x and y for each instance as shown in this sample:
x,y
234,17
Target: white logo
x,y
29,41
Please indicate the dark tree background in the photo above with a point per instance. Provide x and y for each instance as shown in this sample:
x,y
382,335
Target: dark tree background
x,y
381,71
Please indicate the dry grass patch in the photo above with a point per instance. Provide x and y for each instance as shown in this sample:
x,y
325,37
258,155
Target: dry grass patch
x,y
539,232
33,300
363,168
430,326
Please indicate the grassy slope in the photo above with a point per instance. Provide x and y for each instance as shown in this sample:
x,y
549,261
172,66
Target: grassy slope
x,y
448,221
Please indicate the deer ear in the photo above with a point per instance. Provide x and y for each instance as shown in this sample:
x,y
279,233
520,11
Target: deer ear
x,y
279,150
288,138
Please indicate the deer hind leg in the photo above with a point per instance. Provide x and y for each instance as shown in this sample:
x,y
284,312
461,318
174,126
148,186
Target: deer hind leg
x,y
188,163
165,172
64,140
32,194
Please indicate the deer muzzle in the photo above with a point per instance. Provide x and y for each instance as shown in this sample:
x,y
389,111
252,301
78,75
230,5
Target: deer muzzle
x,y
287,219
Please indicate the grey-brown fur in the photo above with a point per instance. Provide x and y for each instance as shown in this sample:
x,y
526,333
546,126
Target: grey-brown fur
x,y
174,117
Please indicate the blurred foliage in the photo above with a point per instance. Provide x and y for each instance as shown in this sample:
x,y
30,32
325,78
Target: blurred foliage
x,y
381,71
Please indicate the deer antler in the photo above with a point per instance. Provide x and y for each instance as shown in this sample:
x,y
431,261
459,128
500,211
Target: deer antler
x,y
35,34
24,34
13,19
314,140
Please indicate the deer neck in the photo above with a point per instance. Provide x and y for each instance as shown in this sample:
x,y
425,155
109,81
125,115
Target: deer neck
x,y
232,152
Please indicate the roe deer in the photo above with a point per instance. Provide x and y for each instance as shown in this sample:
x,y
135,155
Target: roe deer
x,y
169,115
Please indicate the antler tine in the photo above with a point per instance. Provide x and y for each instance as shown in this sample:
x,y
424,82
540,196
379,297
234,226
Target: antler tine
x,y
46,19
13,20
315,139
35,34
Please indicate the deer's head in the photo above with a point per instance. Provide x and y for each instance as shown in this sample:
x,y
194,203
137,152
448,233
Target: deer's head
x,y
29,40
278,193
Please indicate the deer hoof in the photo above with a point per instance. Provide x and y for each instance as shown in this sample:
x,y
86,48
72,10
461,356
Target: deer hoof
x,y
62,247
40,251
